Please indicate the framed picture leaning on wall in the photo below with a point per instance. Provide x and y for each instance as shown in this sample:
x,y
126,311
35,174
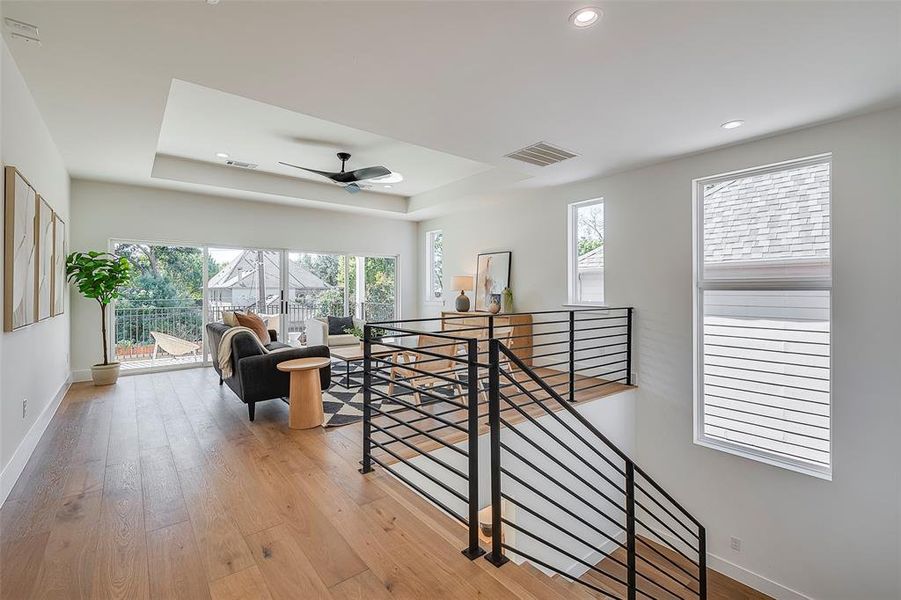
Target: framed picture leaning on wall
x,y
19,252
58,278
492,276
42,291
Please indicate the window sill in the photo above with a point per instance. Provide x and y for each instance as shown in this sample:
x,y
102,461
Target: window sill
x,y
585,305
764,458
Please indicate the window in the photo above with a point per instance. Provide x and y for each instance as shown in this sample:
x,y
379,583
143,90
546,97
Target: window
x,y
763,314
586,252
434,242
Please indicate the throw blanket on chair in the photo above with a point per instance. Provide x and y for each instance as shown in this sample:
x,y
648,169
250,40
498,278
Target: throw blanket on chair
x,y
225,349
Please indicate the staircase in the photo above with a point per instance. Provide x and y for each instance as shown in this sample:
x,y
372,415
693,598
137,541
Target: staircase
x,y
489,412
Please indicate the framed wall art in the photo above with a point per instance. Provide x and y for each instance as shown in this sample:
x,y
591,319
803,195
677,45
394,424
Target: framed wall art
x,y
20,251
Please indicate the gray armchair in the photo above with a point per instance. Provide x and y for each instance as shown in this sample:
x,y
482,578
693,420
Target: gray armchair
x,y
255,376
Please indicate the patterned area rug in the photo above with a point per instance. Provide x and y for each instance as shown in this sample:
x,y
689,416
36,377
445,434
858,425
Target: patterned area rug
x,y
342,403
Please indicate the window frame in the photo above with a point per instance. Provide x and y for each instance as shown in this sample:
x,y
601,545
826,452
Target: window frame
x,y
797,281
429,267
572,253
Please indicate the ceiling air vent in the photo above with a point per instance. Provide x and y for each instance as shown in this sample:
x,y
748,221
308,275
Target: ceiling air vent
x,y
541,154
243,165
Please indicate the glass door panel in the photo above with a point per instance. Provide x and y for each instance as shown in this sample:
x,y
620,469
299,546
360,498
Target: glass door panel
x,y
379,290
158,321
245,280
315,288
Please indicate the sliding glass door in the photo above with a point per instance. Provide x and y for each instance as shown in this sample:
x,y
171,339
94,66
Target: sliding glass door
x,y
160,320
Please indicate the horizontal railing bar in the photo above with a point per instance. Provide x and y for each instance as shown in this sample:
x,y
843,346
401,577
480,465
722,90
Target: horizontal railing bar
x,y
559,463
404,349
554,481
556,504
538,561
574,453
567,554
427,495
415,409
562,422
422,472
431,374
396,439
666,543
427,393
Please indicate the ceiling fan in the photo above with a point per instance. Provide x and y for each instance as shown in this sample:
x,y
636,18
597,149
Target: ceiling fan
x,y
349,179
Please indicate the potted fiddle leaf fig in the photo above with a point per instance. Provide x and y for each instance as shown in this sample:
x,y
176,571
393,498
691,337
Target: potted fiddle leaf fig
x,y
100,276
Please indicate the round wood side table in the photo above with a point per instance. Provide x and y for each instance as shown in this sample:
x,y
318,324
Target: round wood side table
x,y
305,395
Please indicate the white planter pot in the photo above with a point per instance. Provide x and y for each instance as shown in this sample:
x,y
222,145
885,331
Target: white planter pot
x,y
105,374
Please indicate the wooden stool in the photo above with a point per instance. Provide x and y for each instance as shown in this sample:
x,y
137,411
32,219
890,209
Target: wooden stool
x,y
305,411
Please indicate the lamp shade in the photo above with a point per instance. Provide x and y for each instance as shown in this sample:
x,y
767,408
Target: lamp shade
x,y
462,282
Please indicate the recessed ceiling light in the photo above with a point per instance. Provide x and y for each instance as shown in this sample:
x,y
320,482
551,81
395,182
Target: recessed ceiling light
x,y
388,187
222,154
586,17
392,178
212,2
732,124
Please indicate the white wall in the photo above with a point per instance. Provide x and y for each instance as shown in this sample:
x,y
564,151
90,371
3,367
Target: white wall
x,y
837,539
34,361
104,211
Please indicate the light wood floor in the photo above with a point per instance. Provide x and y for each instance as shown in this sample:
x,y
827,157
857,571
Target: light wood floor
x,y
160,487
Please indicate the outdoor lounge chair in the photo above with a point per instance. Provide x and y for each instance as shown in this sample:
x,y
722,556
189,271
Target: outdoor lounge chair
x,y
172,345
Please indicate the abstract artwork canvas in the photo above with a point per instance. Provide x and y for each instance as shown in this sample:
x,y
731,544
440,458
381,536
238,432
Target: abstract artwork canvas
x,y
58,281
19,251
43,292
492,276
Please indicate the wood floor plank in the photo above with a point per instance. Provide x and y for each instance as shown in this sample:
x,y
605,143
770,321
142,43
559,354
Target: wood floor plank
x,y
364,586
124,445
285,566
20,564
219,542
163,501
176,571
243,585
67,569
120,556
151,427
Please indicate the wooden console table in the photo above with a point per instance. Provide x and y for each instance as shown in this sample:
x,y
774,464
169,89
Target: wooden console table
x,y
521,324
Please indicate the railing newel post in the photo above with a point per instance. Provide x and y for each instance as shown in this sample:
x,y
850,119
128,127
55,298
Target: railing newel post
x,y
496,556
473,550
367,399
702,563
630,528
629,346
572,356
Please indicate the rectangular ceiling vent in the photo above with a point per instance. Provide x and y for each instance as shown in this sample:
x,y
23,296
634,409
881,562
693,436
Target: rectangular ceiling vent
x,y
21,30
541,154
242,165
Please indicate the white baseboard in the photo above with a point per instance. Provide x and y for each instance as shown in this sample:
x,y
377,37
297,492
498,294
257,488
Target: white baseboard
x,y
17,463
752,579
81,375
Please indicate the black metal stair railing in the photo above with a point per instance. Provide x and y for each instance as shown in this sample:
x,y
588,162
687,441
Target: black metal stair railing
x,y
562,495
583,509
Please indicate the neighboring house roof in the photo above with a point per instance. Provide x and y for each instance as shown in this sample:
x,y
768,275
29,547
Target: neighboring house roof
x,y
241,272
773,216
593,259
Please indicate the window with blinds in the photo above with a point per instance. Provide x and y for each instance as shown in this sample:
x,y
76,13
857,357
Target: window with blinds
x,y
762,324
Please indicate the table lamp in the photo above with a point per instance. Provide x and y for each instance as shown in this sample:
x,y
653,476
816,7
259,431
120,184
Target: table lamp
x,y
462,283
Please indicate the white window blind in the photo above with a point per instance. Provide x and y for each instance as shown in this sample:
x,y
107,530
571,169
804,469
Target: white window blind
x,y
763,318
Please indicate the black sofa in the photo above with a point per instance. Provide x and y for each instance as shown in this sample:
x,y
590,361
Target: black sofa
x,y
254,374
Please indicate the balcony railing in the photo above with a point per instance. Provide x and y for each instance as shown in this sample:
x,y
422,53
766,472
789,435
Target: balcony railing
x,y
134,327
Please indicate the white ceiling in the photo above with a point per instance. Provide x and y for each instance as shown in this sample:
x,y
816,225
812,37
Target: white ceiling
x,y
472,80
200,121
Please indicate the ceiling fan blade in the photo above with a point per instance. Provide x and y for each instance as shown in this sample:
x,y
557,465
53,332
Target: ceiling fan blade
x,y
328,174
361,174
370,173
